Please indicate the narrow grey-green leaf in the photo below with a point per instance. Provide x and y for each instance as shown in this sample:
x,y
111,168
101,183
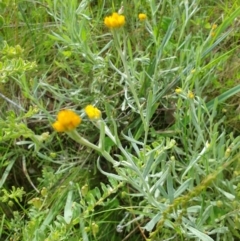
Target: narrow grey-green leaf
x,y
199,234
68,213
183,187
224,96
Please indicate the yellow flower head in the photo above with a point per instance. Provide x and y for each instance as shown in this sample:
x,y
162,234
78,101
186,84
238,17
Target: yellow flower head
x,y
213,34
178,90
190,95
214,26
114,21
142,16
67,120
92,112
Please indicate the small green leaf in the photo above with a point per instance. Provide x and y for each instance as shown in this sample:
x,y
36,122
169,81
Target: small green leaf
x,y
68,213
151,224
1,21
199,234
207,26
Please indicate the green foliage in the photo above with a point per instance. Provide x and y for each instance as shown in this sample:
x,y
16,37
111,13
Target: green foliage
x,y
11,62
14,195
15,127
45,221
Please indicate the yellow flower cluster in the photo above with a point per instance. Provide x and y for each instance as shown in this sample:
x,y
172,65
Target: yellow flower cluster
x,y
92,112
67,120
214,26
114,21
117,20
142,16
190,94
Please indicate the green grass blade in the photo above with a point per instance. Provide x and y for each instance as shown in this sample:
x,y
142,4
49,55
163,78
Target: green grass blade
x,y
6,172
228,22
224,96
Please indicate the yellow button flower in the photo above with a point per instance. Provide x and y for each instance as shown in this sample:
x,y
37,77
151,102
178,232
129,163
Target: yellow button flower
x,y
114,21
92,112
190,95
214,26
142,16
67,120
178,90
